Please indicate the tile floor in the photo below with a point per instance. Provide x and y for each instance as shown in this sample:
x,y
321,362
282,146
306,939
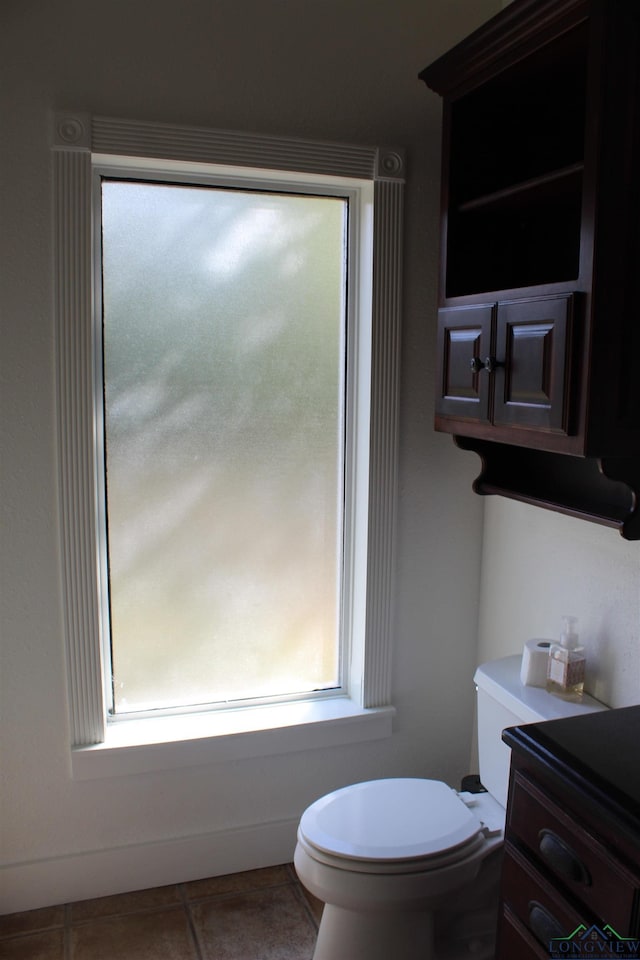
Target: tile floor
x,y
257,915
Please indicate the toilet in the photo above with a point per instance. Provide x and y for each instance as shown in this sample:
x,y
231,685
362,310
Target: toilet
x,y
409,868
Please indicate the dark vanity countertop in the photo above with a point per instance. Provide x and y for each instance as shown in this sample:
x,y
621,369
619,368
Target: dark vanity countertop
x,y
599,753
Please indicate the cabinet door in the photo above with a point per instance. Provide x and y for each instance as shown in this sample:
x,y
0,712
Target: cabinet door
x,y
464,342
533,350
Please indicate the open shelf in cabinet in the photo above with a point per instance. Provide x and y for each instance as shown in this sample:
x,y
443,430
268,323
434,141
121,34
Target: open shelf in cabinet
x,y
546,186
510,240
514,183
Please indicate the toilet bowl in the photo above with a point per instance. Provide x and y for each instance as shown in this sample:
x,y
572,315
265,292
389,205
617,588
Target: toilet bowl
x,y
383,854
409,868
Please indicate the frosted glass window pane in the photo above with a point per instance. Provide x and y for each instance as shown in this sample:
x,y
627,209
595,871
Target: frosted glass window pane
x,y
223,314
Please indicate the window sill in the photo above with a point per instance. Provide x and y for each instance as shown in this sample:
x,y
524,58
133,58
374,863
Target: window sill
x,y
168,743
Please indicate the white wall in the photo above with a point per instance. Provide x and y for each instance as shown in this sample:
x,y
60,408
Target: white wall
x,y
334,69
537,566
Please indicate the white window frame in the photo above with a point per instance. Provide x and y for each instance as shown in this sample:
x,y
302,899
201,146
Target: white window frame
x,y
364,710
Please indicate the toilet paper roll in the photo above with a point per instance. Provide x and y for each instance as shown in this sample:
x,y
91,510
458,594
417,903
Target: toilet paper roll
x,y
533,672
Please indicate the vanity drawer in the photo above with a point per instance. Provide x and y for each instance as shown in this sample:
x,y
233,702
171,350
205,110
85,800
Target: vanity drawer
x,y
571,855
516,941
535,902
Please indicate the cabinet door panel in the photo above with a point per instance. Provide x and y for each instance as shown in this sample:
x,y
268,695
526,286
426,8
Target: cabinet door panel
x,y
533,348
464,333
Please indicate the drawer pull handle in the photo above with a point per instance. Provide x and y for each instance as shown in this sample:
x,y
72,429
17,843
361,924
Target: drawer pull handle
x,y
543,924
562,858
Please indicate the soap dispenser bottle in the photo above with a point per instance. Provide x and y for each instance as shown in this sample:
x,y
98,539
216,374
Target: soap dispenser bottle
x,y
566,664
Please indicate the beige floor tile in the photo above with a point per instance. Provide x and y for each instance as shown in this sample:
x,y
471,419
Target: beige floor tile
x,y
151,935
31,920
269,924
124,903
237,882
35,946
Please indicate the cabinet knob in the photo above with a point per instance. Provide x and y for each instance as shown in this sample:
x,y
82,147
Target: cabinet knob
x,y
562,858
489,364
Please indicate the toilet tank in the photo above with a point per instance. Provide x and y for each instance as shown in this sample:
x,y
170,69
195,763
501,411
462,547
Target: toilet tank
x,y
504,701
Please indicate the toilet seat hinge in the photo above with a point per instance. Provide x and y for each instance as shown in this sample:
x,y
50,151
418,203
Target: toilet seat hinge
x,y
469,799
490,831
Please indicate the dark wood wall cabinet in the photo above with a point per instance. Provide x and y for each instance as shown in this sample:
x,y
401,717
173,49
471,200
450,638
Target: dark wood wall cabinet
x,y
539,318
571,868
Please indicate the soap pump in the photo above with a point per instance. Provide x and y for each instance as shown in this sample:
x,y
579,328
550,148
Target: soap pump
x,y
566,664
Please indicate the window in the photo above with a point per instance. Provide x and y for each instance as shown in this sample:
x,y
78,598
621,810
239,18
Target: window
x,y
223,354
249,293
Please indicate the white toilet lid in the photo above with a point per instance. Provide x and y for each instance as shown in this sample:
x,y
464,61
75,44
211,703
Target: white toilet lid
x,y
396,819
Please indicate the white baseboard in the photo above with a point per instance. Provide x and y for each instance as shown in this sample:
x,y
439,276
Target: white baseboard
x,y
100,873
